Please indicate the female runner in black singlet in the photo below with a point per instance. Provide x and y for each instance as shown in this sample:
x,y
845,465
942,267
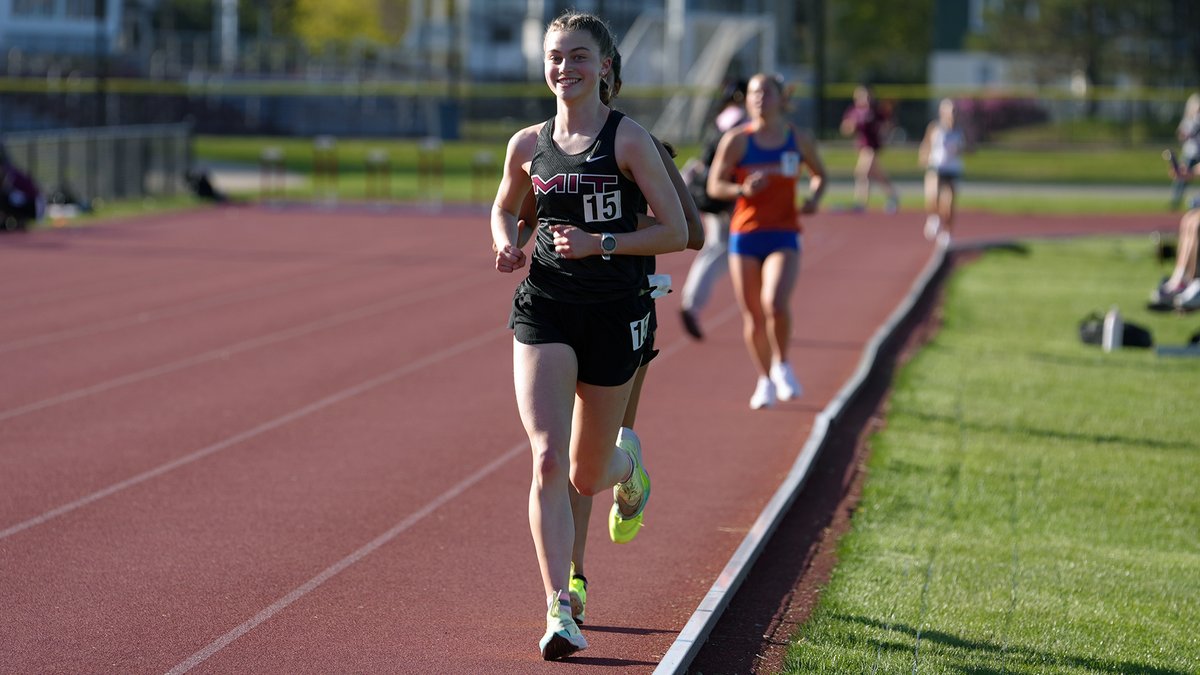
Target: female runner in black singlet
x,y
581,317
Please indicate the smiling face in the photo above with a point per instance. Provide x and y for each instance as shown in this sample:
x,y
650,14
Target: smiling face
x,y
574,65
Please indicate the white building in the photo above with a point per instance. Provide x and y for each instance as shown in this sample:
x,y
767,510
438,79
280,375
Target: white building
x,y
66,27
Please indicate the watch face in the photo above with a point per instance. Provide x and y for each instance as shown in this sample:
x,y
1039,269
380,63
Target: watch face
x,y
608,243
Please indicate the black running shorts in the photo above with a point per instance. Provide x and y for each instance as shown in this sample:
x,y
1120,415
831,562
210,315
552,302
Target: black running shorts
x,y
610,339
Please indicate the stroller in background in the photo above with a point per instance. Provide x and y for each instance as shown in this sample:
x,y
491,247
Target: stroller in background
x,y
21,201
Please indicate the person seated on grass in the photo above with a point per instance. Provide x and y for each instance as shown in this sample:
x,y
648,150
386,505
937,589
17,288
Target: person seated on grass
x,y
1181,290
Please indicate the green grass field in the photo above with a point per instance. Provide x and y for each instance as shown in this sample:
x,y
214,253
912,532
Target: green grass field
x,y
1031,505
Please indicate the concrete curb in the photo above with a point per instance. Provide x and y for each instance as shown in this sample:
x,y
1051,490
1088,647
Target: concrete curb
x,y
702,621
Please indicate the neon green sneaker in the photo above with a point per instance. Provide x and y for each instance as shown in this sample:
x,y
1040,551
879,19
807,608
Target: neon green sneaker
x,y
578,592
562,636
623,528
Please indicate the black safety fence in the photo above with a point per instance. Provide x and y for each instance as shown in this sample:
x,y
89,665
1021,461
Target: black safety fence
x,y
105,163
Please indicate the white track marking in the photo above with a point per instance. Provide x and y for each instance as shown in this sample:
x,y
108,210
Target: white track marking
x,y
331,571
147,316
246,345
276,423
690,639
279,605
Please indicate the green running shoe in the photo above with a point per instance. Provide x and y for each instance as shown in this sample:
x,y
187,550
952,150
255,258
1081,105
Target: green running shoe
x,y
562,636
578,592
623,528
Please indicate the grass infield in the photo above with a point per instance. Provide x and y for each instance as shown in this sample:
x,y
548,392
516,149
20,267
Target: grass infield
x,y
1031,505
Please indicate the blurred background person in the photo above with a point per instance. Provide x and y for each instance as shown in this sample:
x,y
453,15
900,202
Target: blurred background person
x,y
758,164
712,261
869,123
941,153
1188,133
1181,290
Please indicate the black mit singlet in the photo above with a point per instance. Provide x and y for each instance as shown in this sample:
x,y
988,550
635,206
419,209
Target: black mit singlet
x,y
589,191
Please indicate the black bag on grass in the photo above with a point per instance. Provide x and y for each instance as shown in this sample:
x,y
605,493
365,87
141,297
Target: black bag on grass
x,y
1091,332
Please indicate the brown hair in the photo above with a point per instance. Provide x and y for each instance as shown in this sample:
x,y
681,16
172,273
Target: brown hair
x,y
571,21
607,94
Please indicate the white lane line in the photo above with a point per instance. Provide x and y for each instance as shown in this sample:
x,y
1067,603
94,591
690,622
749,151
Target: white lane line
x,y
246,345
72,292
331,571
139,318
279,605
698,627
299,413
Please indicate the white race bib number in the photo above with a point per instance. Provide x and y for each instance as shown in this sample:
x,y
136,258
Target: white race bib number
x,y
640,330
602,206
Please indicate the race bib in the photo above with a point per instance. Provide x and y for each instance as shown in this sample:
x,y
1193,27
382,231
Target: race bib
x,y
601,207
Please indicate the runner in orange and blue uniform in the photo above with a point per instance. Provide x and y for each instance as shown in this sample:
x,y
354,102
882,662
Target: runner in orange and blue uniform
x,y
759,166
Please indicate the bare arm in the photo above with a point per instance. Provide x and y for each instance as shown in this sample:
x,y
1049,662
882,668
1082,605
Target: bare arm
x,y
848,123
923,151
514,186
691,214
730,151
527,219
816,170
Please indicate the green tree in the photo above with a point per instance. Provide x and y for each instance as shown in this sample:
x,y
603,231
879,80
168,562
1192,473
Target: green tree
x,y
1154,42
879,40
339,22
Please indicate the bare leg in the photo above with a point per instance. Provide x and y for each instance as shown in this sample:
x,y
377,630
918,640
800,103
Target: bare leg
x,y
545,386
862,176
747,274
581,507
581,513
931,194
596,465
947,191
1185,256
876,173
635,396
779,273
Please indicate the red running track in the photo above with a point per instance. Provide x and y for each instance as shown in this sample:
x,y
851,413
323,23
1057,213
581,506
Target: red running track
x,y
244,440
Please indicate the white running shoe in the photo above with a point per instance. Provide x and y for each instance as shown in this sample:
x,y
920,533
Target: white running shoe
x,y
933,224
1189,297
786,386
562,636
764,394
943,239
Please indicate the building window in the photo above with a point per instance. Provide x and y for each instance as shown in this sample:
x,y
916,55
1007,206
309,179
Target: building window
x,y
31,9
82,9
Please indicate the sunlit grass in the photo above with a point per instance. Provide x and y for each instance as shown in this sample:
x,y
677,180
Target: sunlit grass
x,y
1031,504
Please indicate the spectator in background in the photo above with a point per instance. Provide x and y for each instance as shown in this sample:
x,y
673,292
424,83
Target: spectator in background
x,y
1181,290
1188,133
941,153
21,201
758,164
712,261
869,122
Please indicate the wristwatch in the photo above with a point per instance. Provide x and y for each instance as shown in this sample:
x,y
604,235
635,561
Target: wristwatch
x,y
608,245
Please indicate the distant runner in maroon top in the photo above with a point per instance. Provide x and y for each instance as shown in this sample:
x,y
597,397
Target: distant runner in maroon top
x,y
869,123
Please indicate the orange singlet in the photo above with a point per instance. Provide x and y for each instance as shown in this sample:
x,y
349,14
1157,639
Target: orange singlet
x,y
772,209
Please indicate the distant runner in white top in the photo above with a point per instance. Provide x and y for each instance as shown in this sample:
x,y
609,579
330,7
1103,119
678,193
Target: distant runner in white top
x,y
941,152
